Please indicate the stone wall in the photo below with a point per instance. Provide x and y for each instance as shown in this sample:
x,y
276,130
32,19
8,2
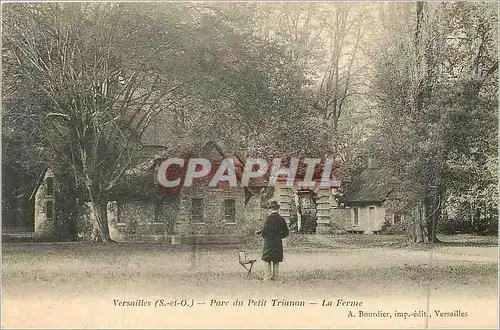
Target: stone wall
x,y
155,219
140,218
161,217
170,220
323,206
285,197
253,215
214,220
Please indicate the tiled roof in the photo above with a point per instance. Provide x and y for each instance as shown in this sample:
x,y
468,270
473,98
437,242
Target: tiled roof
x,y
368,187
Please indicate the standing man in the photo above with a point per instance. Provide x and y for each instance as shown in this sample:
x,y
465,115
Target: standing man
x,y
273,231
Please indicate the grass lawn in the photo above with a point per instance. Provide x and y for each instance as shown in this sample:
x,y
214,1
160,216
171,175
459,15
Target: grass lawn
x,y
76,284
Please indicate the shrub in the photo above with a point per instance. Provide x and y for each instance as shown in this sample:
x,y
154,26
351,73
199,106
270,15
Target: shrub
x,y
388,228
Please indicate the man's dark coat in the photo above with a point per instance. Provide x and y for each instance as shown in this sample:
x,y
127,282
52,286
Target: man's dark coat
x,y
273,231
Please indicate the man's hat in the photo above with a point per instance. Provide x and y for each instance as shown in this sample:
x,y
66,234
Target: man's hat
x,y
274,205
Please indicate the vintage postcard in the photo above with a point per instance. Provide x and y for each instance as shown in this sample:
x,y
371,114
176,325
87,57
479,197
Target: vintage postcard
x,y
249,165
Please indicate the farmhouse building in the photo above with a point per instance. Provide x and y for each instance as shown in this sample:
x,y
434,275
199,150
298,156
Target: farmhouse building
x,y
139,210
365,202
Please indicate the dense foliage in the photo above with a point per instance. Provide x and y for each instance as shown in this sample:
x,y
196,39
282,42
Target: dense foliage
x,y
95,89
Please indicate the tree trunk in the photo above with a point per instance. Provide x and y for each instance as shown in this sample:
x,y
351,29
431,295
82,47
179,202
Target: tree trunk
x,y
472,219
414,229
99,209
432,219
414,232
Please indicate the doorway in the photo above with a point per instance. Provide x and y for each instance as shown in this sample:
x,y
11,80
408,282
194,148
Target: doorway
x,y
307,212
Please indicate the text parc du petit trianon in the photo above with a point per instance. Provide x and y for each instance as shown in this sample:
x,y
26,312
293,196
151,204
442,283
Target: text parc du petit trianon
x,y
275,302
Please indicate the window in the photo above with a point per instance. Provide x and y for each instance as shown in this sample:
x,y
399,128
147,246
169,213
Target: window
x,y
50,186
49,212
197,210
230,211
356,216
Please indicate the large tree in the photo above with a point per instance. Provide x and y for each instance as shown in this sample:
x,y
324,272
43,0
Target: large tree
x,y
107,71
437,103
105,77
254,99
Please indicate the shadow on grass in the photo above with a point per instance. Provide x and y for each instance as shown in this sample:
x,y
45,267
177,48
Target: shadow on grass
x,y
293,242
31,238
466,244
467,241
414,273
